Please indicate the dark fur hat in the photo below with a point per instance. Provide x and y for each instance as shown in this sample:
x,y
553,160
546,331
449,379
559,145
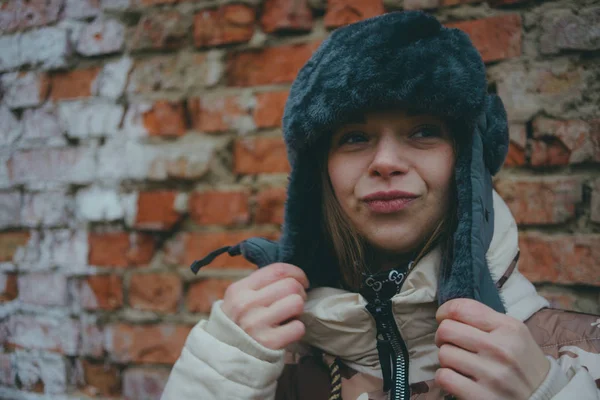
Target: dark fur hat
x,y
400,59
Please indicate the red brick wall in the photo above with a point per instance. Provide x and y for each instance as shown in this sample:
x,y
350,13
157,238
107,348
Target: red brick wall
x,y
136,135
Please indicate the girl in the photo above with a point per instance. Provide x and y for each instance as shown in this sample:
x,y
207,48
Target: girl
x,y
409,254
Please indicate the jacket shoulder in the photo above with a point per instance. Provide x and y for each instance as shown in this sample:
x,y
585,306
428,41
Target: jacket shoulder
x,y
554,330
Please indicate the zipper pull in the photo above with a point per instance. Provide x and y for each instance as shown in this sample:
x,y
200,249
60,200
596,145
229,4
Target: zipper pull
x,y
385,350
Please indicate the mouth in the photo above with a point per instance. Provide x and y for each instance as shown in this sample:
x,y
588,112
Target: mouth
x,y
388,202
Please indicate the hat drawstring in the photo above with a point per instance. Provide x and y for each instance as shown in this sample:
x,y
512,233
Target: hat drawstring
x,y
231,250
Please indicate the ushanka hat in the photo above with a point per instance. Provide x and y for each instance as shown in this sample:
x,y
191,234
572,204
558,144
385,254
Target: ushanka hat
x,y
400,59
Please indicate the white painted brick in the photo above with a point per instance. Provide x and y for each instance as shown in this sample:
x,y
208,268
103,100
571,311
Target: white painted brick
x,y
144,383
187,158
41,128
101,37
10,56
10,209
92,337
53,165
98,204
24,89
46,209
46,289
10,127
83,119
82,8
133,123
116,4
47,47
112,79
63,249
44,333
7,369
4,172
37,367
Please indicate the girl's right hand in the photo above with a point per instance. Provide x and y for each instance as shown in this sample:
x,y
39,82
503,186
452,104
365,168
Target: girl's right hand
x,y
266,304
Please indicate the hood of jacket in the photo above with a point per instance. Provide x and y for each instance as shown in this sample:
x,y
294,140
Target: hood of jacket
x,y
400,59
338,323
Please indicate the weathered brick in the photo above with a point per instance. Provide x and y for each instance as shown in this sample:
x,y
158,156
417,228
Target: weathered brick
x,y
83,119
10,209
73,84
269,109
565,142
44,289
144,383
47,47
562,259
517,145
233,23
178,72
286,15
496,38
100,292
155,292
120,249
202,294
23,14
41,128
92,336
187,158
220,207
112,80
24,89
46,209
63,249
59,335
7,373
99,379
198,245
41,372
99,204
157,210
219,114
421,4
10,243
10,127
270,205
259,156
563,30
344,12
82,8
528,89
546,200
165,118
64,165
103,36
271,65
595,201
156,344
165,30
8,286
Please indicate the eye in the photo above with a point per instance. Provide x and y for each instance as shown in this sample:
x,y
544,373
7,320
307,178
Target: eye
x,y
353,137
427,131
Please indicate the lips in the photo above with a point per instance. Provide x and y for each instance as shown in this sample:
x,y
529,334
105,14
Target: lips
x,y
388,202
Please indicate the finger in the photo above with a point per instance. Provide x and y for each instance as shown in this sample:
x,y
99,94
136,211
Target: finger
x,y
462,361
284,309
459,385
281,336
273,273
471,312
461,335
278,290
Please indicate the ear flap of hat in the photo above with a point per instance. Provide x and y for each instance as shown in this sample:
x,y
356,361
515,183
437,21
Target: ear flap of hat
x,y
493,127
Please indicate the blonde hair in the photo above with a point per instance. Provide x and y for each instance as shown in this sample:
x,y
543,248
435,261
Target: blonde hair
x,y
352,252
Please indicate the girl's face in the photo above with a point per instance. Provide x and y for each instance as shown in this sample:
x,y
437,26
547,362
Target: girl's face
x,y
392,174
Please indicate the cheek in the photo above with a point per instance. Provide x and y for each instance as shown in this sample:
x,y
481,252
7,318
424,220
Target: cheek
x,y
341,175
439,172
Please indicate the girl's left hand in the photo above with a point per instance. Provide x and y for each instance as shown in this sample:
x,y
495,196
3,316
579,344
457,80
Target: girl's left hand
x,y
485,354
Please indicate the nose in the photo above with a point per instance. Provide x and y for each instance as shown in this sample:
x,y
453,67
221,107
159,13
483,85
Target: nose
x,y
389,159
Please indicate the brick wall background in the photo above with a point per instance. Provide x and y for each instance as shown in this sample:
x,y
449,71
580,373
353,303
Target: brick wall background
x,y
136,135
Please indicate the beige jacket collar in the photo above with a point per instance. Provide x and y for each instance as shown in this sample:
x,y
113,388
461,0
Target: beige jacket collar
x,y
338,323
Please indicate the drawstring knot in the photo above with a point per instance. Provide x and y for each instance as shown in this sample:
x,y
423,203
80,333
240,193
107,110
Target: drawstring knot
x,y
231,250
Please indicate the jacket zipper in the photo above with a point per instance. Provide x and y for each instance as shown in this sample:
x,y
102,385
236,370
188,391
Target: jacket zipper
x,y
393,354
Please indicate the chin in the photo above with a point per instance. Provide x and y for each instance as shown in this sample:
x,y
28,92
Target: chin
x,y
399,242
